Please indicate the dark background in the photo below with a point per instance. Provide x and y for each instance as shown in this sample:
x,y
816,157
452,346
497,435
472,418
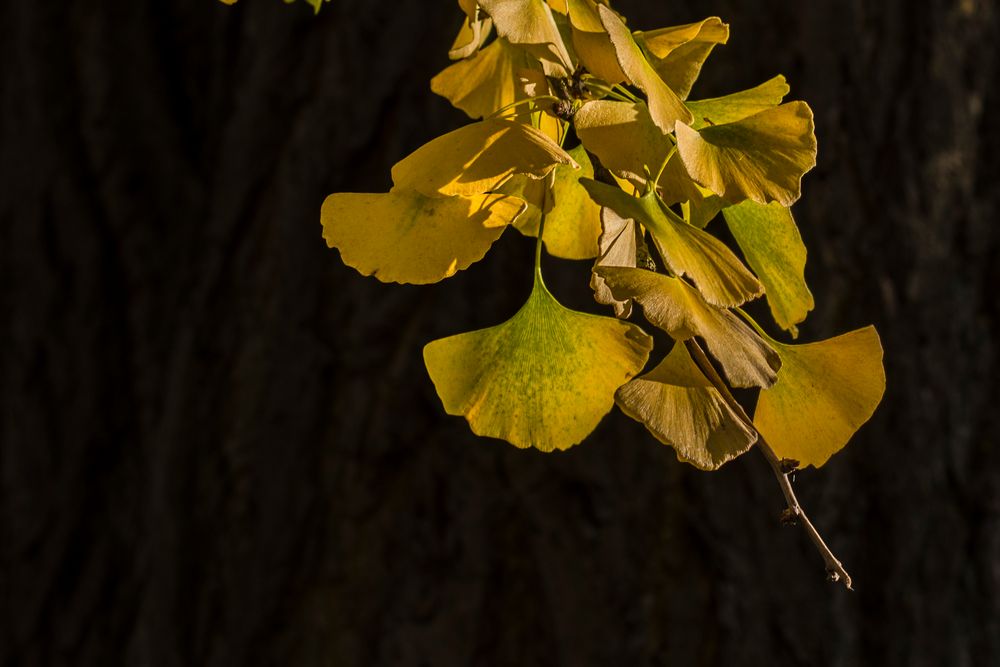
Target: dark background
x,y
219,444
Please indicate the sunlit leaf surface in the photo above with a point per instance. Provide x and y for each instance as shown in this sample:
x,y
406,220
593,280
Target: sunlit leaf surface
x,y
530,23
678,53
737,106
486,82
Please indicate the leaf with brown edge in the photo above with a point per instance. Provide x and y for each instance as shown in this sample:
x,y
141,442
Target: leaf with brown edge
x,y
530,24
477,158
665,107
678,53
717,273
824,393
771,243
621,244
486,82
592,43
681,408
680,310
737,106
407,237
762,157
544,378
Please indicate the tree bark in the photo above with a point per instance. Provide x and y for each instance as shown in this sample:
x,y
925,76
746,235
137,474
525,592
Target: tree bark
x,y
219,444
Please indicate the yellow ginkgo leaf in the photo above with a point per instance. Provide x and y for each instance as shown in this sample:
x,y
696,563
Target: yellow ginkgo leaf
x,y
681,408
572,219
530,24
762,157
406,237
716,271
677,187
477,158
543,378
665,107
678,53
771,243
680,310
592,43
473,33
486,82
621,244
623,136
825,392
737,106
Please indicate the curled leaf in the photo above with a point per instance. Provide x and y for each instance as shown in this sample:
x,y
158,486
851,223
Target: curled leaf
x,y
680,310
530,23
716,271
762,157
473,33
677,53
825,392
543,378
737,106
592,43
406,237
681,408
665,106
477,158
771,243
621,244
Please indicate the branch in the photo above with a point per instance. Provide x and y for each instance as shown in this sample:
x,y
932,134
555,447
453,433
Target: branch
x,y
794,513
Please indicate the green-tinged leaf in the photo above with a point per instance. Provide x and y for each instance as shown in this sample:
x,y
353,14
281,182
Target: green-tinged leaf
x,y
762,157
665,106
406,237
677,187
716,271
543,378
623,136
530,23
825,392
681,408
680,310
477,158
737,106
678,53
592,43
770,241
486,82
621,244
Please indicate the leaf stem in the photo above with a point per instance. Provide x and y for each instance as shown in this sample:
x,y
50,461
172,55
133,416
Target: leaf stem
x,y
794,513
610,92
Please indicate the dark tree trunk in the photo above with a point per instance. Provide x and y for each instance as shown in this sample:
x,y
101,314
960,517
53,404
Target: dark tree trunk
x,y
220,447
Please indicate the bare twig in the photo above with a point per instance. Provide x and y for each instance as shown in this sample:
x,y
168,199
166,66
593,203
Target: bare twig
x,y
782,468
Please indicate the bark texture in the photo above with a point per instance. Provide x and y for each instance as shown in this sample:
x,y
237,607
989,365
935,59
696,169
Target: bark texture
x,y
219,445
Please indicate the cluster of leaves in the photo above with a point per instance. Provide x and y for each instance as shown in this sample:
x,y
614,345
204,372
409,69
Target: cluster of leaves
x,y
586,138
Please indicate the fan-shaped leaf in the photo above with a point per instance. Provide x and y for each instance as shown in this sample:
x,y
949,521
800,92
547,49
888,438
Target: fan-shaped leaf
x,y
542,379
406,237
737,106
486,82
825,392
678,53
681,408
530,23
623,136
680,310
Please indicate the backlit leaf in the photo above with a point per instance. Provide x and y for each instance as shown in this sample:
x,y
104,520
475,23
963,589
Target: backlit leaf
x,y
678,53
530,23
592,43
486,82
687,250
573,223
762,157
771,243
665,106
681,408
825,392
477,158
737,106
680,310
406,237
543,378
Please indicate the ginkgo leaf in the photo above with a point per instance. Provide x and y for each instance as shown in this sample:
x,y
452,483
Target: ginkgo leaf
x,y
623,136
762,157
406,237
477,158
530,23
680,310
737,106
665,107
620,244
486,82
592,43
825,392
681,408
678,53
716,271
473,33
543,378
677,187
771,243
573,221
